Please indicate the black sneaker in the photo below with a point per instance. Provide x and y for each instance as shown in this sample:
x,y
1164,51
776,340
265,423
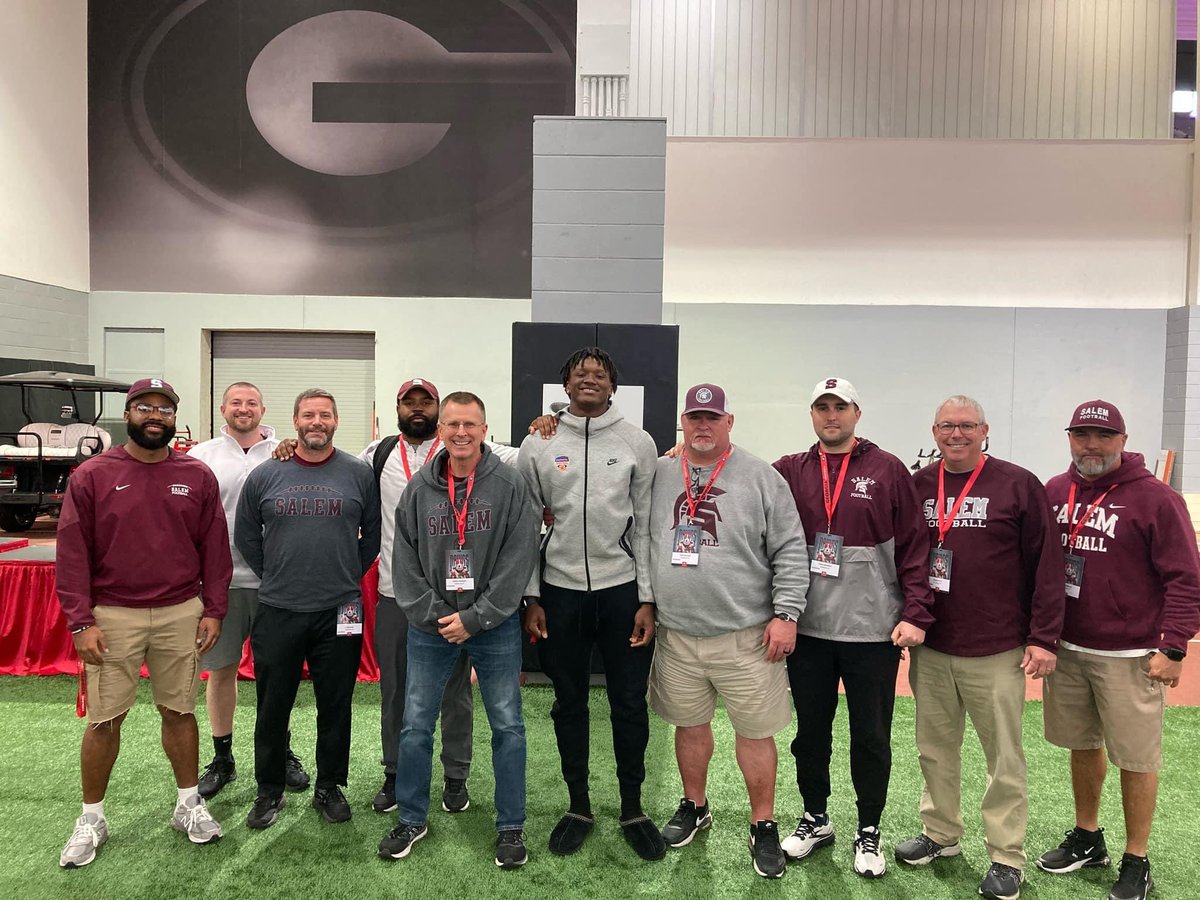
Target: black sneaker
x,y
455,798
1001,883
1134,882
510,849
265,811
687,821
1080,849
331,804
218,773
397,843
385,800
768,856
294,775
923,849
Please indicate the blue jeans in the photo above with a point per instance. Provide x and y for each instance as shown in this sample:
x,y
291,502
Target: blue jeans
x,y
496,656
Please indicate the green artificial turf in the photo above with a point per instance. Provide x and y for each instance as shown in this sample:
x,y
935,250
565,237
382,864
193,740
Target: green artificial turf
x,y
301,856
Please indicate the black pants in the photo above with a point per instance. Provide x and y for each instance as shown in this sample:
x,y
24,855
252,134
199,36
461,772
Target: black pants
x,y
282,642
868,672
575,621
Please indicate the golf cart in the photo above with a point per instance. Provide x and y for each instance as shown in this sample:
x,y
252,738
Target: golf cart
x,y
36,461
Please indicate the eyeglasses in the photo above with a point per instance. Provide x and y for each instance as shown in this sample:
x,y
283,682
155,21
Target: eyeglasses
x,y
466,426
947,428
145,409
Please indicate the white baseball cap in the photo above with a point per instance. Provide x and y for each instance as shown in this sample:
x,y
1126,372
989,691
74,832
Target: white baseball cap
x,y
839,387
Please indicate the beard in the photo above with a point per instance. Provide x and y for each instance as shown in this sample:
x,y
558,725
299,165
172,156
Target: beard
x,y
316,439
418,432
1090,467
137,434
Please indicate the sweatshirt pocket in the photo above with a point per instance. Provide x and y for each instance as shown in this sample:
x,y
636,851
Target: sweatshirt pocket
x,y
624,540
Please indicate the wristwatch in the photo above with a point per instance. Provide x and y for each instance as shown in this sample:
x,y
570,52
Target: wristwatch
x,y
1172,654
786,617
80,630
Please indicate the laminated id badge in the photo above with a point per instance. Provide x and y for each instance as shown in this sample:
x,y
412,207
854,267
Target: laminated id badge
x,y
940,561
686,549
1073,571
350,618
459,574
827,555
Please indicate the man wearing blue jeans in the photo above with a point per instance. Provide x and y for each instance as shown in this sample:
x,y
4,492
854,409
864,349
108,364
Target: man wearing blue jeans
x,y
465,546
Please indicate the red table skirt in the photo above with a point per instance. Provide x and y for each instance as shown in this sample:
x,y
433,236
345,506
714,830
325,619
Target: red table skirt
x,y
34,639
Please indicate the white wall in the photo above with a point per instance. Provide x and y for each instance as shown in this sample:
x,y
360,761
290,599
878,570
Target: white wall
x,y
43,142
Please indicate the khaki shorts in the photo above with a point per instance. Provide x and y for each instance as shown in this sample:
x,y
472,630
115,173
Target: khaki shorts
x,y
235,628
165,639
1104,701
689,673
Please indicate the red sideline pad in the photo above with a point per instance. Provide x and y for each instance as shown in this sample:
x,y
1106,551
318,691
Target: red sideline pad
x,y
13,544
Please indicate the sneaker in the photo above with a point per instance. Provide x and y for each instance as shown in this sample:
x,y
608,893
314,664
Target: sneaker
x,y
687,821
265,811
1001,883
1134,882
385,800
193,819
398,842
218,773
331,803
510,849
90,832
1080,850
455,798
769,858
923,849
812,833
294,775
868,861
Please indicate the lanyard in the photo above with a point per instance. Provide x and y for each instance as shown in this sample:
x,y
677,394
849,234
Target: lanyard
x,y
694,502
460,518
1074,532
404,457
831,502
944,521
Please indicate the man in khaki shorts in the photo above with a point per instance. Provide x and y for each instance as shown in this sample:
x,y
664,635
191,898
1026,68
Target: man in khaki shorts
x,y
726,613
1127,539
141,529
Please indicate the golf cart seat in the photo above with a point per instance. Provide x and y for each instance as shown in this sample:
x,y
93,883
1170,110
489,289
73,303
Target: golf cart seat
x,y
56,441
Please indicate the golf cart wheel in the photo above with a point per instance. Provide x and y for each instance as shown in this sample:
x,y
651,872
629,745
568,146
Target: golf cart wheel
x,y
17,518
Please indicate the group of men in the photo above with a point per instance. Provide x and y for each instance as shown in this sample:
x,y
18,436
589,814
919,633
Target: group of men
x,y
709,561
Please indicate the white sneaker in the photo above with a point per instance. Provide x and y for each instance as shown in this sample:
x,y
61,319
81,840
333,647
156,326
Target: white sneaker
x,y
868,861
812,833
90,832
193,819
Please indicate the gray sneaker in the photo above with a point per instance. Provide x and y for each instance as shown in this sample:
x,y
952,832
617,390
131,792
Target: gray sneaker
x,y
90,832
193,819
923,849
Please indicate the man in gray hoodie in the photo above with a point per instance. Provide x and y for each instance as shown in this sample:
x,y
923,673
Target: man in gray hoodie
x,y
594,476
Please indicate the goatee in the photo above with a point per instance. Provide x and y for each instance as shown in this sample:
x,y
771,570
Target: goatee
x,y
418,432
137,434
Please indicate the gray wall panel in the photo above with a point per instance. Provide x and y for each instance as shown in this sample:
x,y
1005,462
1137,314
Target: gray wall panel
x,y
611,241
42,321
598,207
598,173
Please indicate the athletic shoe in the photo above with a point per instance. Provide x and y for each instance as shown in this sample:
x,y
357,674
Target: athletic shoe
x,y
455,798
1080,849
1001,883
1134,882
510,849
193,819
570,833
218,773
769,859
398,842
923,849
868,861
687,821
294,775
265,811
331,803
385,800
812,833
90,832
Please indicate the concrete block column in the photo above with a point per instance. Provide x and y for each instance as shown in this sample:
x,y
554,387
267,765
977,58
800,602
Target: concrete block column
x,y
1181,397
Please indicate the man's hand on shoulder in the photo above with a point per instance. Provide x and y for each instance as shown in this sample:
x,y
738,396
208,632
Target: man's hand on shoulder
x,y
91,645
286,450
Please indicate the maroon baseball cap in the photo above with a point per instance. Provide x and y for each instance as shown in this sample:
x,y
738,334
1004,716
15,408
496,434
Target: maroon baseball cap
x,y
1098,414
705,397
151,386
418,383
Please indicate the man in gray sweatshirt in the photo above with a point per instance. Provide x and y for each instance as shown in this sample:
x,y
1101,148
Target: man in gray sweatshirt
x,y
729,570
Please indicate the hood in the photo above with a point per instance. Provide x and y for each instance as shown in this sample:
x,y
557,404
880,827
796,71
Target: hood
x,y
1132,468
577,424
863,446
267,432
434,474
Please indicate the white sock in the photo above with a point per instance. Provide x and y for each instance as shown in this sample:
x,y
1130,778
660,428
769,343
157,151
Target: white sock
x,y
96,809
186,794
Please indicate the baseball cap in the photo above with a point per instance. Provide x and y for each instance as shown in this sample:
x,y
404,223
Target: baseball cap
x,y
839,387
1098,414
151,386
418,383
703,397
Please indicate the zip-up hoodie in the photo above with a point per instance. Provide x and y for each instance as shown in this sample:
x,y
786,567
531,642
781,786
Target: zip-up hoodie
x,y
595,476
885,551
1141,571
501,533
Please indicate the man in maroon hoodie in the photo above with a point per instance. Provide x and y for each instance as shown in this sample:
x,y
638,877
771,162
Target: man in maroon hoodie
x,y
997,574
1133,602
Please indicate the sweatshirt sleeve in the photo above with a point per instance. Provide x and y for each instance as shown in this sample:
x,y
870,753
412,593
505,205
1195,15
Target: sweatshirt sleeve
x,y
787,547
248,523
1173,551
515,560
422,605
73,559
371,525
912,552
216,563
1041,558
527,465
643,481
506,454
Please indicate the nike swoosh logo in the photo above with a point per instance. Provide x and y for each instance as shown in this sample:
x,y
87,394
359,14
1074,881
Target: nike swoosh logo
x,y
612,462
121,487
1114,506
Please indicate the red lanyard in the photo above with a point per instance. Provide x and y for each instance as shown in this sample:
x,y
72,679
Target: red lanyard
x,y
694,502
460,518
944,521
404,457
1074,532
832,502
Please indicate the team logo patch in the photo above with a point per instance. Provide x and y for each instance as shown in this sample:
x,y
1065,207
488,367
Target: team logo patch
x,y
561,462
181,490
703,395
862,484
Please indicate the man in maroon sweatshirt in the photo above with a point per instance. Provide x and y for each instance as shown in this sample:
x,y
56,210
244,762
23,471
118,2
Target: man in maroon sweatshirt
x,y
142,527
997,575
1133,602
